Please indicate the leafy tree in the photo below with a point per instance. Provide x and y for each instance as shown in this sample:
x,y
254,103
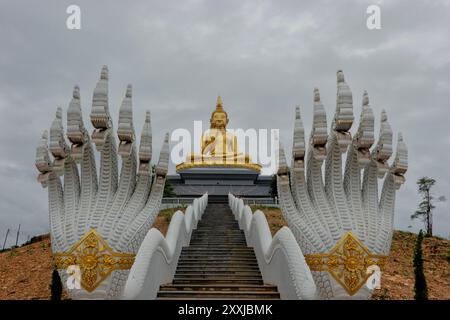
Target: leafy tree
x,y
426,206
169,192
420,285
56,286
273,186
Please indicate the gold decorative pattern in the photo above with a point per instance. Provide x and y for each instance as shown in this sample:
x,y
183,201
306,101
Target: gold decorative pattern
x,y
207,164
95,259
347,262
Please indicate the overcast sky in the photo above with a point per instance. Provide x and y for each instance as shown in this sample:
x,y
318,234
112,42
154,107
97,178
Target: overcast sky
x,y
263,57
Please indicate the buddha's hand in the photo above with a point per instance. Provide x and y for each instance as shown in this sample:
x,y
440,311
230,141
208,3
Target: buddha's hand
x,y
343,230
98,223
208,145
209,141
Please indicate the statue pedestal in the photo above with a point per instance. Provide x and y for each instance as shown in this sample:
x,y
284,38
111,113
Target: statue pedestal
x,y
218,181
218,175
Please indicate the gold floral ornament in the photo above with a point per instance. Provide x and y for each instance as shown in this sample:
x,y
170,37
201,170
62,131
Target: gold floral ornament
x,y
95,259
348,262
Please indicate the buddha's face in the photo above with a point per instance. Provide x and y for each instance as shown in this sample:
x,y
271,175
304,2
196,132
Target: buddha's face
x,y
219,120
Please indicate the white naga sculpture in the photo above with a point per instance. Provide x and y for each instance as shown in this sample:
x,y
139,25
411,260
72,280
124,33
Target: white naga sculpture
x,y
342,228
99,224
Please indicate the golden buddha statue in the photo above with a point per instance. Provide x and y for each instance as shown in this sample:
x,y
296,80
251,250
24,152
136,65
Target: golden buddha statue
x,y
218,146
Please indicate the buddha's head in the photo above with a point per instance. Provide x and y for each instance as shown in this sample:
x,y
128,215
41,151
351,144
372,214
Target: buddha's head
x,y
219,118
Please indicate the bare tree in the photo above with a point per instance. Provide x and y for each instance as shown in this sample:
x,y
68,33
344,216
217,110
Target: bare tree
x,y
6,238
17,236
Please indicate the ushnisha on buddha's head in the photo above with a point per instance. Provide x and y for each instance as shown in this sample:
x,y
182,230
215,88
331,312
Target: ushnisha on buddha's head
x,y
219,118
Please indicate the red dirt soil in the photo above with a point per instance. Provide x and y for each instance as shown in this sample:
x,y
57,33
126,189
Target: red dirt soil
x,y
25,272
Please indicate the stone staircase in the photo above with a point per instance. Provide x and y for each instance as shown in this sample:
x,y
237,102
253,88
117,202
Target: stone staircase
x,y
218,264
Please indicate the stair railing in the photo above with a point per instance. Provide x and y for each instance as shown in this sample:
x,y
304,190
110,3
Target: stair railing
x,y
280,258
157,260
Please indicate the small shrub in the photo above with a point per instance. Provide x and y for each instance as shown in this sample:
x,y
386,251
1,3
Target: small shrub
x,y
384,295
56,286
420,285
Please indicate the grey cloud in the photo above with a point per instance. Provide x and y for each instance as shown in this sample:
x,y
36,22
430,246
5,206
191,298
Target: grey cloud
x,y
263,58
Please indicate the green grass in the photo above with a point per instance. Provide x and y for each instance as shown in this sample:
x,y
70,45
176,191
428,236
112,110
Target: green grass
x,y
169,212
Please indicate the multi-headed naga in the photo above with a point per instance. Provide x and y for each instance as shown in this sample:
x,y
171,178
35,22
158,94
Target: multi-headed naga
x,y
341,225
99,223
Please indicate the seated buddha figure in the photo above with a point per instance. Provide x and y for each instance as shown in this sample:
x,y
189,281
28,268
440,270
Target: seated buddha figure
x,y
218,146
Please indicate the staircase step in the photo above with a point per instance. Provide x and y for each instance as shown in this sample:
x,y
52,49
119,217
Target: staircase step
x,y
206,262
218,258
212,249
221,247
226,280
225,264
193,297
219,254
219,235
218,238
221,244
219,274
211,222
228,229
211,272
204,242
207,235
218,287
212,268
197,264
222,294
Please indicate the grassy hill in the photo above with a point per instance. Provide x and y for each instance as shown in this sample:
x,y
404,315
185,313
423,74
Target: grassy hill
x,y
25,272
